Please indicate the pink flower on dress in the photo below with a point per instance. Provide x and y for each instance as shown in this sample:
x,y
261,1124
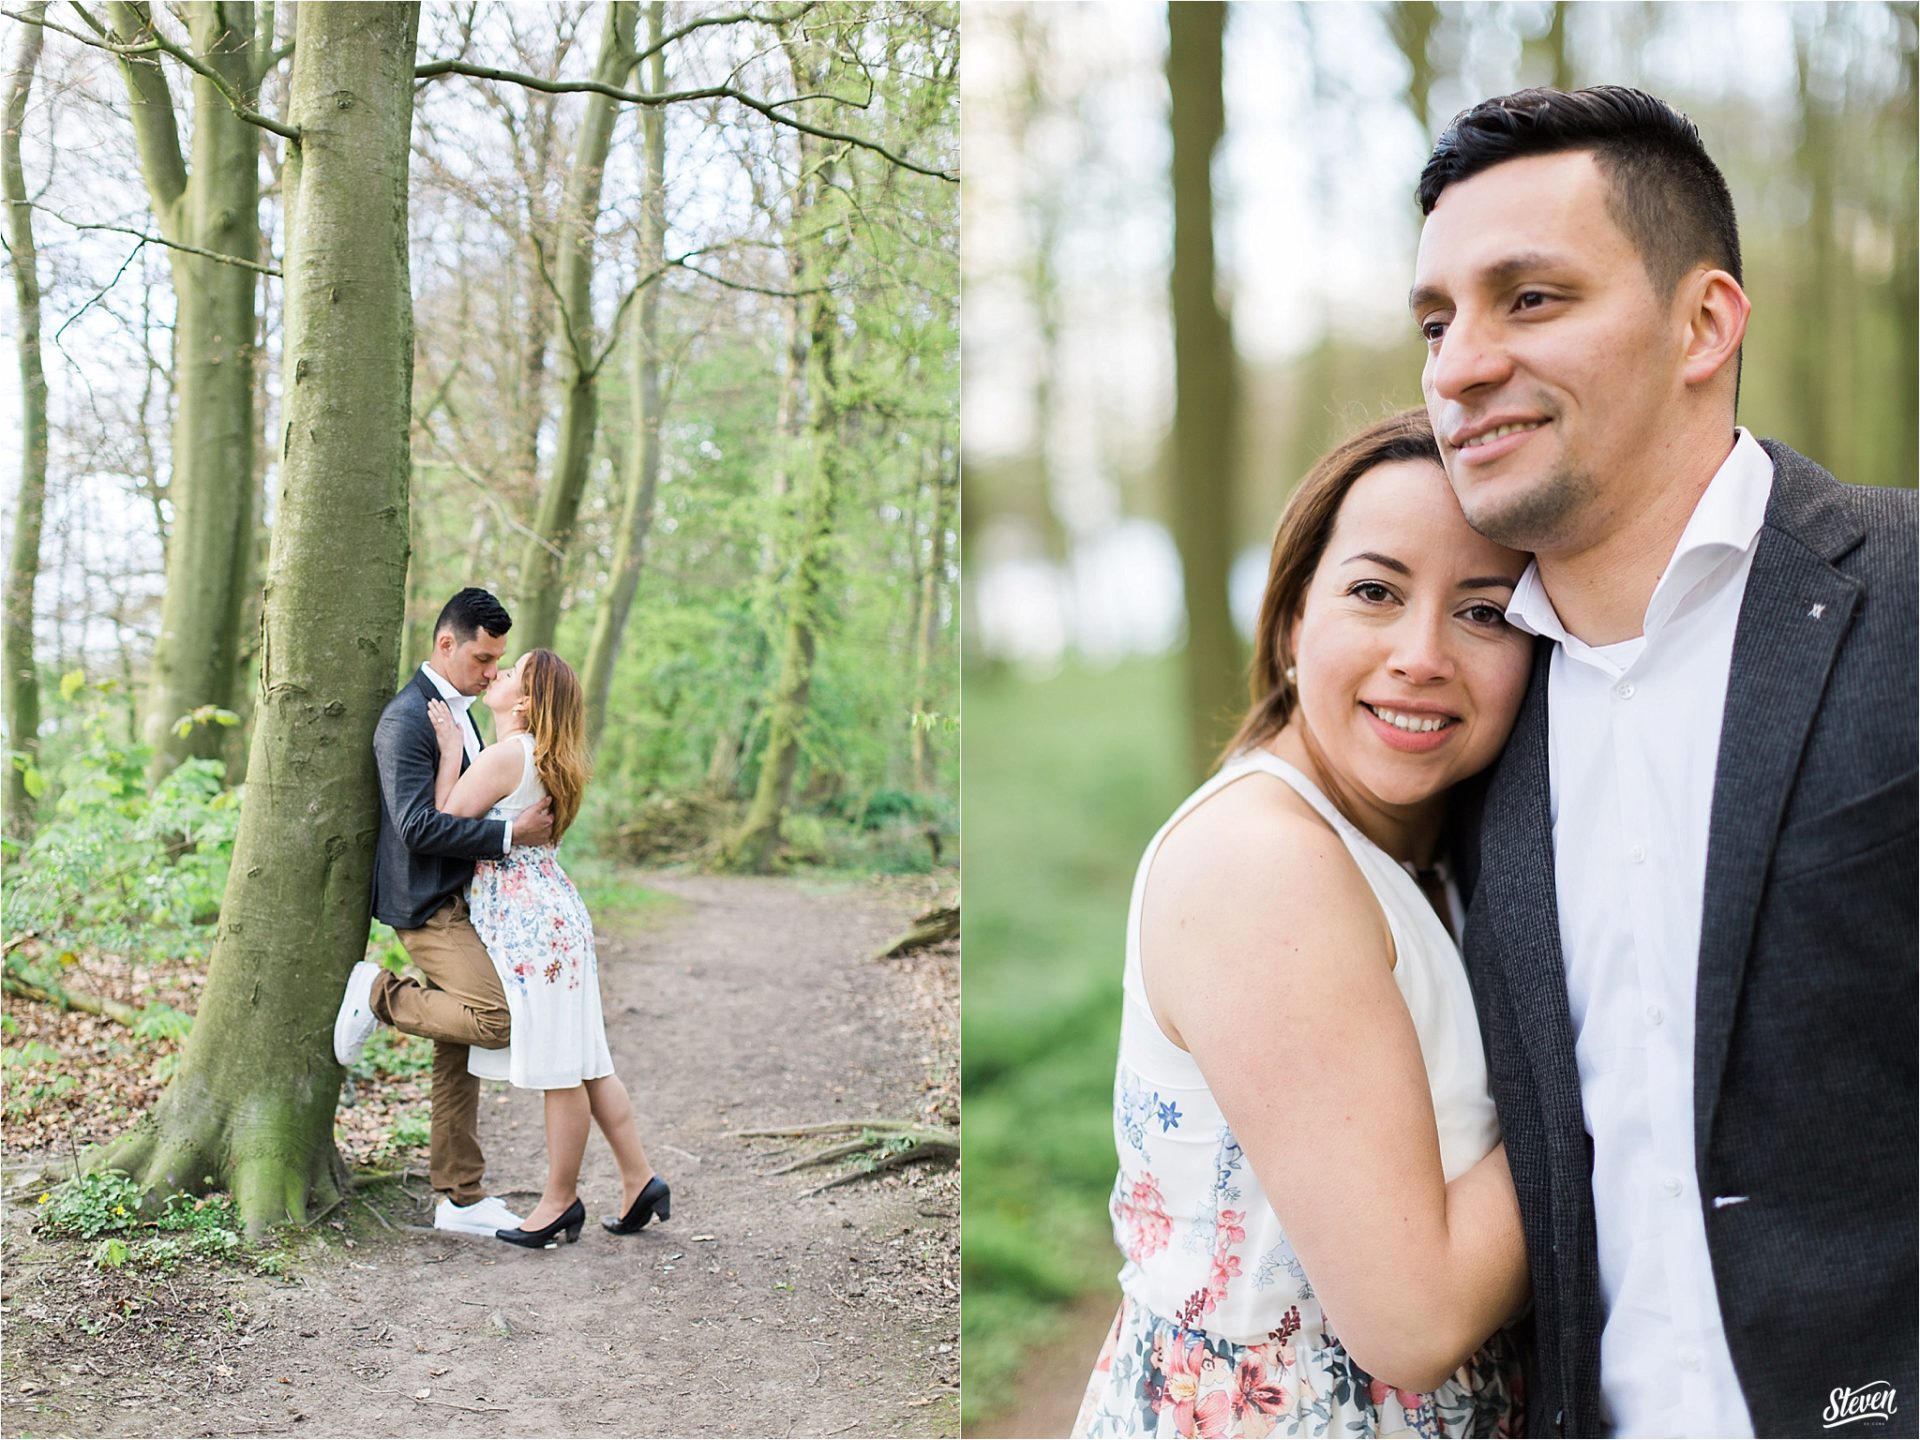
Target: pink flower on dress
x,y
1181,1365
1410,1400
1144,1214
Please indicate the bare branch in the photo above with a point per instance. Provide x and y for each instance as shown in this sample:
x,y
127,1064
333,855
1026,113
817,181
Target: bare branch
x,y
162,240
771,109
161,45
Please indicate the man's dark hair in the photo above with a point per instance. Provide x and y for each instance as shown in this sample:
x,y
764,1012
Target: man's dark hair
x,y
471,611
1666,194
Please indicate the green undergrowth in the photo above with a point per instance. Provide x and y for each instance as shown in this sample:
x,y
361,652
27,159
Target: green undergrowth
x,y
119,1226
1066,781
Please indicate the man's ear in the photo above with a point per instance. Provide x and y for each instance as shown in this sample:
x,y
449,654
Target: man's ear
x,y
1716,315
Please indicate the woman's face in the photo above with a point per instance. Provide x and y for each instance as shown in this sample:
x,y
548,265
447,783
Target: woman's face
x,y
506,691
1409,676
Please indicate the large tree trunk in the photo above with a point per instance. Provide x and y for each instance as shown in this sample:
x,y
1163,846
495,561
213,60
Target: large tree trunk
x,y
643,464
932,585
543,564
23,562
213,204
1205,385
252,1103
815,485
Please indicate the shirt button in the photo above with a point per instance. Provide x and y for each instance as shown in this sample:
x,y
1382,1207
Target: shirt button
x,y
1672,1187
1655,1015
1624,690
1636,853
1690,1360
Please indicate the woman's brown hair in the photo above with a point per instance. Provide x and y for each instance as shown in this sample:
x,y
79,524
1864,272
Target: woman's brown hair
x,y
1298,544
557,720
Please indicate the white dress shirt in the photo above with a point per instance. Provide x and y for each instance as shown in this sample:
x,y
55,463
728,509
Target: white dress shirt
x,y
461,706
1634,733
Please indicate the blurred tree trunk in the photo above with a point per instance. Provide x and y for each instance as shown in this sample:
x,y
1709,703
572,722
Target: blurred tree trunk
x,y
643,464
23,561
815,480
1905,283
251,1106
1815,343
926,631
213,204
1411,23
543,562
1205,383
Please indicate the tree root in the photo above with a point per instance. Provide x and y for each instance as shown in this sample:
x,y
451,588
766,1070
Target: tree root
x,y
51,994
885,1144
938,924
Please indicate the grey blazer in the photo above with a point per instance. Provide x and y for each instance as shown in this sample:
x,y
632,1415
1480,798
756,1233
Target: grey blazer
x,y
422,855
1806,1019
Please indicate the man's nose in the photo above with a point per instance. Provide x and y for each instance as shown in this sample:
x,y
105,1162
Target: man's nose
x,y
1470,357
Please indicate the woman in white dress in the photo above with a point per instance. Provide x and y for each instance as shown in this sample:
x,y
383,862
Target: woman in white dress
x,y
1320,1231
540,938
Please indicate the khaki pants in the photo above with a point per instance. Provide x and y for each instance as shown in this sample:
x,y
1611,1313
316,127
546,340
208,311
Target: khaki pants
x,y
461,1004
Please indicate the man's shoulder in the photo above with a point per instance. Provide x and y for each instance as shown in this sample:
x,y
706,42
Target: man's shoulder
x,y
1812,504
406,706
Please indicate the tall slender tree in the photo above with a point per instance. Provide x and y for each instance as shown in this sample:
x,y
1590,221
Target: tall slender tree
x,y
816,241
1206,381
23,561
208,210
251,1106
543,563
643,460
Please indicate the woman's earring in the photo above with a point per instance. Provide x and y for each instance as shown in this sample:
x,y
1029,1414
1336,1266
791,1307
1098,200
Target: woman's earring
x,y
1292,676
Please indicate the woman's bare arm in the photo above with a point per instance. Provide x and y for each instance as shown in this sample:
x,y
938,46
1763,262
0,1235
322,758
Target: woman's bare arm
x,y
1266,955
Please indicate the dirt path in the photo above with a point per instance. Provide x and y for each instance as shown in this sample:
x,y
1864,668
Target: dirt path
x,y
752,1312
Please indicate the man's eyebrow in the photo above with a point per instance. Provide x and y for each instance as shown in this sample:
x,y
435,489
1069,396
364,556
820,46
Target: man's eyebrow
x,y
1373,558
1487,582
1500,272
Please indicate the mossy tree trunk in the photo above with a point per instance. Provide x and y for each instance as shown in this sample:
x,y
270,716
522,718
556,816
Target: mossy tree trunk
x,y
1205,384
212,203
643,462
543,563
251,1106
815,482
926,638
22,686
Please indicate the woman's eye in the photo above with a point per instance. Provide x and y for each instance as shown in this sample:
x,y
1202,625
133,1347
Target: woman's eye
x,y
1487,614
1372,591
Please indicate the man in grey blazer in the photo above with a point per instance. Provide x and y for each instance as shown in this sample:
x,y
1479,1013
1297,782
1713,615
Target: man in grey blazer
x,y
422,864
1693,927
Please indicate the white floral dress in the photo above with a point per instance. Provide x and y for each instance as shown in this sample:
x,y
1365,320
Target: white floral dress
x,y
1220,1331
540,939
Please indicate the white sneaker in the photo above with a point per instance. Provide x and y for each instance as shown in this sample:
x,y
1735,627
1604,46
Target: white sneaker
x,y
356,1020
486,1215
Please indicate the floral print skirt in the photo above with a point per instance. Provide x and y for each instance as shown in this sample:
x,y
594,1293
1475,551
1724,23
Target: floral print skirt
x,y
540,938
1156,1378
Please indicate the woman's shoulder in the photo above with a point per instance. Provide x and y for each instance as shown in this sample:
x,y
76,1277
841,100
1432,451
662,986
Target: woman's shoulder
x,y
1256,861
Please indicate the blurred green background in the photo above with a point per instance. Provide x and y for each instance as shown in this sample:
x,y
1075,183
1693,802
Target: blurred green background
x,y
1106,622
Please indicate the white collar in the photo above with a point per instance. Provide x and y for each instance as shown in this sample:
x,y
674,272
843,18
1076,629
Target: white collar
x,y
1725,523
455,700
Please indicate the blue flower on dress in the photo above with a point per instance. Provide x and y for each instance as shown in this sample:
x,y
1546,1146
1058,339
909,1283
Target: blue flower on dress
x,y
1169,1114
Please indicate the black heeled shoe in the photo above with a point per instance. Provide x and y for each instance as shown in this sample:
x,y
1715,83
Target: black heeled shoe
x,y
570,1221
655,1201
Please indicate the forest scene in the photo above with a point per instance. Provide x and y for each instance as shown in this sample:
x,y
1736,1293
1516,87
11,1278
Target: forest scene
x,y
644,318
1190,232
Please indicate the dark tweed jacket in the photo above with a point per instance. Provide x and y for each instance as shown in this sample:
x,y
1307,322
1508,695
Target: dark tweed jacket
x,y
422,856
1805,1046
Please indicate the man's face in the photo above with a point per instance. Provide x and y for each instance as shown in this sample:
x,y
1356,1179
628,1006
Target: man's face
x,y
469,666
1553,368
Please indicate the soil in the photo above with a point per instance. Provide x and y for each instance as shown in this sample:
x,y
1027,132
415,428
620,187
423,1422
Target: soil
x,y
753,1311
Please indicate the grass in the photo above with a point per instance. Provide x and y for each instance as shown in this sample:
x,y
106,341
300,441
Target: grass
x,y
613,895
1066,780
